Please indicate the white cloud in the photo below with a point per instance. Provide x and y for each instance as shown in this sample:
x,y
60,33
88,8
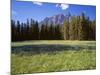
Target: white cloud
x,y
38,3
62,6
57,5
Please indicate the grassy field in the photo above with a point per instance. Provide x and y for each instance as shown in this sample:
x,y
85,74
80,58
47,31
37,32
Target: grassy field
x,y
52,56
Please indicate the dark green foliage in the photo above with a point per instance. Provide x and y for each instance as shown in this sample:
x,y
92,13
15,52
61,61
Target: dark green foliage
x,y
58,33
74,28
13,30
66,30
66,27
42,32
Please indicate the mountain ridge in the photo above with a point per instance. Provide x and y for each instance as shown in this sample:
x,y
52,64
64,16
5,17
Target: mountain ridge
x,y
55,20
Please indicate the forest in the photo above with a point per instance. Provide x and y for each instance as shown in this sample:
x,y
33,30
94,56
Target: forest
x,y
74,28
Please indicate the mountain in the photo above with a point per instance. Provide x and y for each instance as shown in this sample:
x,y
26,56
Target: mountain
x,y
56,19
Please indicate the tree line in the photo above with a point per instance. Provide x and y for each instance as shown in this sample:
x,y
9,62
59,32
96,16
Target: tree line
x,y
74,28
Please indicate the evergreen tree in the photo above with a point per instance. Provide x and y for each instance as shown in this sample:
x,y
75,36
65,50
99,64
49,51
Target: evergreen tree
x,y
72,28
66,30
13,30
58,34
36,31
42,32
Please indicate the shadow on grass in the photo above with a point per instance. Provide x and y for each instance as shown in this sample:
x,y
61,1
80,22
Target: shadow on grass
x,y
44,48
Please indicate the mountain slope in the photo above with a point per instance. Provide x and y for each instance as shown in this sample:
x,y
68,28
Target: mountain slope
x,y
56,19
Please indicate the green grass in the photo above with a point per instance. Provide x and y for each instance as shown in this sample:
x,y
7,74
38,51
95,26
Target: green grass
x,y
35,42
52,56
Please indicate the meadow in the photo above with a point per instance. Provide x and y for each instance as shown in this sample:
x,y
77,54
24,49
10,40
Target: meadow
x,y
52,56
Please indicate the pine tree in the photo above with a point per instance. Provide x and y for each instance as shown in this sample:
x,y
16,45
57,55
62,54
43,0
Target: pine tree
x,y
66,30
13,30
58,34
42,32
36,31
18,31
22,31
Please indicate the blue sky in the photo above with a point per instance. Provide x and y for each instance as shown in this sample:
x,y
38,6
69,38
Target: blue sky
x,y
38,11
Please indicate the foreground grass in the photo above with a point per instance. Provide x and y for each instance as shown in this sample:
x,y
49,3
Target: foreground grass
x,y
63,60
